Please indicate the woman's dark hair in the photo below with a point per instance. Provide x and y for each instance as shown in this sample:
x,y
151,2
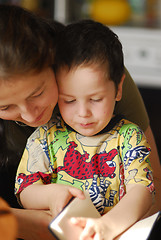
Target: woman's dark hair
x,y
27,42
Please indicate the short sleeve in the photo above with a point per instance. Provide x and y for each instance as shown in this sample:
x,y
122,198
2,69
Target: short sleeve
x,y
34,166
135,152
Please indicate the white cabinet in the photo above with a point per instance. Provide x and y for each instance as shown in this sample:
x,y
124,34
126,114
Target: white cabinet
x,y
142,51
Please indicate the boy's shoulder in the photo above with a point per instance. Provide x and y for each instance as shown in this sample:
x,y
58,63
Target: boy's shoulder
x,y
120,122
127,128
125,123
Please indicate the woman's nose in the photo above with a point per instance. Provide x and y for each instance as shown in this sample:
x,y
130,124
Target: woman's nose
x,y
28,113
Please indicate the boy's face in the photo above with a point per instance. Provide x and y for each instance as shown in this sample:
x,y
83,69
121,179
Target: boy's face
x,y
86,98
29,98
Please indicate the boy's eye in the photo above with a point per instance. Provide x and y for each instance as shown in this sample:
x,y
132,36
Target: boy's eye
x,y
96,99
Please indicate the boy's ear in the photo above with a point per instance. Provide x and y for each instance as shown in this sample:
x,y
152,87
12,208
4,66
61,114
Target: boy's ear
x,y
119,90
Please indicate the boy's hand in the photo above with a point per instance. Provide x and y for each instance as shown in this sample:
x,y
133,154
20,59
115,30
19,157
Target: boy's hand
x,y
93,228
62,195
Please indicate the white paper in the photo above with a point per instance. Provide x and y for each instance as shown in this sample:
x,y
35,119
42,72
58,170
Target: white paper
x,y
140,230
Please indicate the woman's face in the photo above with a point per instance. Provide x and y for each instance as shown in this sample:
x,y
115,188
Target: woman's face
x,y
29,99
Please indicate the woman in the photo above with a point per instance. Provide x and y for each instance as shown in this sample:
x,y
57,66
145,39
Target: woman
x,y
28,95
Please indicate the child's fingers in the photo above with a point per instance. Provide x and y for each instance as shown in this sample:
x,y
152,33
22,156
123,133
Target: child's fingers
x,y
99,236
87,225
90,230
79,221
87,233
76,193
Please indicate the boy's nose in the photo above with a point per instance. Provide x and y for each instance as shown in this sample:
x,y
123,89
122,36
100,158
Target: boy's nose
x,y
83,110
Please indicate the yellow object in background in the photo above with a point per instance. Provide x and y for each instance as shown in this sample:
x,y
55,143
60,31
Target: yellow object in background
x,y
110,12
31,5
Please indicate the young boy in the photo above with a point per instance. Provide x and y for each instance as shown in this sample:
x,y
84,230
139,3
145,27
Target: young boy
x,y
88,146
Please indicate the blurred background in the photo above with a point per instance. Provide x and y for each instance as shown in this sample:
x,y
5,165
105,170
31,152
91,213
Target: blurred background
x,y
138,25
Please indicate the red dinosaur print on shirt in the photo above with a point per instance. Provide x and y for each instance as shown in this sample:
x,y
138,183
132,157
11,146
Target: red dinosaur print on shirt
x,y
76,166
25,180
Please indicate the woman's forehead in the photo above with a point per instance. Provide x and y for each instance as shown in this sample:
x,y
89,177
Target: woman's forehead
x,y
18,88
23,86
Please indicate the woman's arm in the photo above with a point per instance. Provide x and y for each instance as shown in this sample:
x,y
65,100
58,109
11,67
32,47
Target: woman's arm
x,y
8,224
33,224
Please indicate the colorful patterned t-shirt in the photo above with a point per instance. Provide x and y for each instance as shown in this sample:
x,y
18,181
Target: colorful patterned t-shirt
x,y
102,164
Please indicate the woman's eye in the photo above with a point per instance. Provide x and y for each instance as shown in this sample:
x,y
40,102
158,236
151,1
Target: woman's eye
x,y
38,95
4,108
69,101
